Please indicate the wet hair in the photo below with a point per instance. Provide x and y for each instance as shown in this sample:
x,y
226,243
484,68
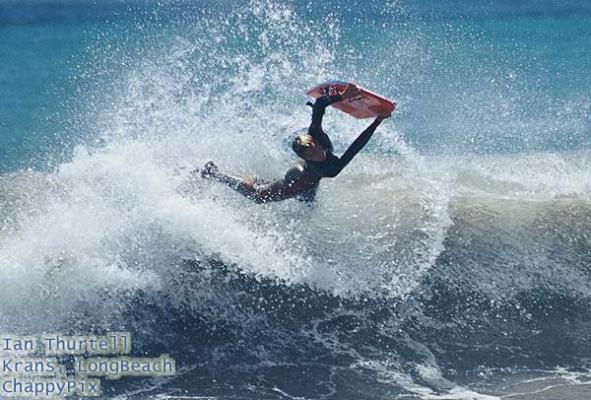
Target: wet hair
x,y
301,143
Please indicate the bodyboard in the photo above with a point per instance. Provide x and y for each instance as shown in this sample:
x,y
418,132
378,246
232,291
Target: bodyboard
x,y
366,104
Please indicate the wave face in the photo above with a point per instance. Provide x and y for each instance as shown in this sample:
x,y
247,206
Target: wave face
x,y
450,260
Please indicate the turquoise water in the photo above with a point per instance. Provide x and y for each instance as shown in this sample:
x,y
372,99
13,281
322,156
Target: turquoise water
x,y
34,72
449,261
477,78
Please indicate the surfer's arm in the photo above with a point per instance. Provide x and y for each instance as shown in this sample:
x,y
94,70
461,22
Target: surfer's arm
x,y
315,129
358,144
319,108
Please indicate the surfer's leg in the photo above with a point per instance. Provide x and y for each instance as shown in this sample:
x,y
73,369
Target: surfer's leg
x,y
260,181
278,190
245,188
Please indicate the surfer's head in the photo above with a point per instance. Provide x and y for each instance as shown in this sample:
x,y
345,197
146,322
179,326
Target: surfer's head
x,y
306,147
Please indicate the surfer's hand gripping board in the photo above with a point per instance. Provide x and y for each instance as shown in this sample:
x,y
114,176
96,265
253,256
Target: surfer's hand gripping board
x,y
357,101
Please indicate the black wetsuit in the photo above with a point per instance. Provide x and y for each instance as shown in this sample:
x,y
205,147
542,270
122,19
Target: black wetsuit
x,y
332,165
301,181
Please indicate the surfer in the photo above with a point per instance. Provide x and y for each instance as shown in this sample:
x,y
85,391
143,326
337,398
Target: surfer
x,y
315,148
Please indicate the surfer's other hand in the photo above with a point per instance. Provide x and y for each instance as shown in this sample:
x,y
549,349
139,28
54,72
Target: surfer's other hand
x,y
382,117
209,170
351,90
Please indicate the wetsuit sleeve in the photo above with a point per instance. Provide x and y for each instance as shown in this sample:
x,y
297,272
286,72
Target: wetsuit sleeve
x,y
358,144
319,107
318,110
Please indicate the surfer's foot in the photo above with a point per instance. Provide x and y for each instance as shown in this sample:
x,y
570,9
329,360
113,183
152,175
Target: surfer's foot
x,y
209,170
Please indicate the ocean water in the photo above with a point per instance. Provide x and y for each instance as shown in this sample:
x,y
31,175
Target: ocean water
x,y
450,260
